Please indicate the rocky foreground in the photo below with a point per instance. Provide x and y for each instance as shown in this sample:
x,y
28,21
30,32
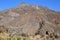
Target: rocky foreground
x,y
29,22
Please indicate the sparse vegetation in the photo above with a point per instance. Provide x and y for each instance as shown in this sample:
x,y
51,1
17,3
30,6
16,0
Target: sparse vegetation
x,y
4,36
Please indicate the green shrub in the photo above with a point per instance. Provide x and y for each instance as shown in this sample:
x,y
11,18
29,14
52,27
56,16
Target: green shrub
x,y
17,38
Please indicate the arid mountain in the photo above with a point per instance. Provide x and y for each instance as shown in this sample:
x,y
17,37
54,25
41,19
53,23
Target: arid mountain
x,y
30,20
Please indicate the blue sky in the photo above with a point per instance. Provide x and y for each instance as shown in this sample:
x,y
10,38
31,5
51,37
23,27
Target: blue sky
x,y
52,4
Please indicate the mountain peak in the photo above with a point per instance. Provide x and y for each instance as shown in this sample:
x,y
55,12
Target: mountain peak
x,y
23,4
30,20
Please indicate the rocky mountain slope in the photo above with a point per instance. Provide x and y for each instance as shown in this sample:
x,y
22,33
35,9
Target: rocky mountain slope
x,y
30,20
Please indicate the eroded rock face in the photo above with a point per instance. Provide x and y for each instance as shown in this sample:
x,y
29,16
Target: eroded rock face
x,y
27,24
30,20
